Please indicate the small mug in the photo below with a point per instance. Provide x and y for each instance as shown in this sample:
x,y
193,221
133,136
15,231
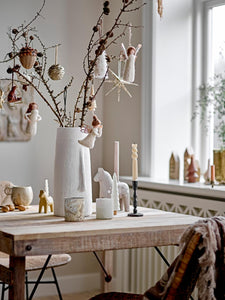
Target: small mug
x,y
21,195
74,209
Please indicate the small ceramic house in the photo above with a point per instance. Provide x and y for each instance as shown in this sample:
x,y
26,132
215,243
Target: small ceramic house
x,y
187,159
174,166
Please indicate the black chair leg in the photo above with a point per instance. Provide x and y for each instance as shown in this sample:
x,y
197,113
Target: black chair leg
x,y
3,291
39,277
57,284
26,284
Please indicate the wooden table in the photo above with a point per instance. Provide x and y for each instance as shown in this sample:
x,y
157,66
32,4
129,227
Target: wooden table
x,y
31,233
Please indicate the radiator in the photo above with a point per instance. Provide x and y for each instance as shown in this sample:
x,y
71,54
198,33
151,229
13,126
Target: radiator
x,y
138,269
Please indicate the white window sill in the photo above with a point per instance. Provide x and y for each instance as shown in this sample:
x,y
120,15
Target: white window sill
x,y
197,189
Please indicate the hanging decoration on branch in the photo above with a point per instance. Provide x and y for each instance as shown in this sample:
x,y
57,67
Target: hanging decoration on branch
x,y
32,116
160,8
101,66
128,58
56,71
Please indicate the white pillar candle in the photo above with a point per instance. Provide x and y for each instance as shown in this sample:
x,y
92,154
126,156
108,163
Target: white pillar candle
x,y
116,158
104,208
134,162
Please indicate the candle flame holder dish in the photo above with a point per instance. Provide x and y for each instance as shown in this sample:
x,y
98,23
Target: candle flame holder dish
x,y
135,213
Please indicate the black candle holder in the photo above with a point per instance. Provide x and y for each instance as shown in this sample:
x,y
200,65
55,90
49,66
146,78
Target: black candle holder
x,y
135,213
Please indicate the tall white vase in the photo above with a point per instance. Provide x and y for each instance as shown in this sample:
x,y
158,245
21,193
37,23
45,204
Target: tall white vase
x,y
72,177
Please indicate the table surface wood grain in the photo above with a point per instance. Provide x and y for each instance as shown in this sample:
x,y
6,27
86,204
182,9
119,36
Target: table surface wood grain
x,y
31,233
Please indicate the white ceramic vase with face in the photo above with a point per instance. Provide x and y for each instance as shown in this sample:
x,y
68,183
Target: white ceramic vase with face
x,y
72,175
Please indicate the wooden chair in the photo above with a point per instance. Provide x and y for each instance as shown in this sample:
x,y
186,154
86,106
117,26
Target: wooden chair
x,y
34,263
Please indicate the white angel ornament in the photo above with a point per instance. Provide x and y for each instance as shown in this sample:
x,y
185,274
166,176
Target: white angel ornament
x,y
32,116
96,131
130,55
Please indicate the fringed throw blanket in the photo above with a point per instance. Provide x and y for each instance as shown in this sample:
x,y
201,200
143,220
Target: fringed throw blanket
x,y
201,259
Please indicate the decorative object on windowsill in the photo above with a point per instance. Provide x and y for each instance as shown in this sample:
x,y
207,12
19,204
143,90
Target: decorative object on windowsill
x,y
96,131
32,116
212,101
105,183
207,174
192,174
56,71
212,175
134,157
187,158
104,208
174,166
219,162
198,170
45,202
115,194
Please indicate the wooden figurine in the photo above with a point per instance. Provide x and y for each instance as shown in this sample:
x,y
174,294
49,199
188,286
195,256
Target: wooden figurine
x,y
45,201
192,171
174,166
105,181
32,116
187,156
96,131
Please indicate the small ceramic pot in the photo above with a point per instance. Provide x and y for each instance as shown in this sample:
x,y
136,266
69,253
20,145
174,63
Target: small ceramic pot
x,y
56,72
28,57
21,195
104,208
74,209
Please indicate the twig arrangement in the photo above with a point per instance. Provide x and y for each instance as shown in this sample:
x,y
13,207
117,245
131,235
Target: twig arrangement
x,y
30,58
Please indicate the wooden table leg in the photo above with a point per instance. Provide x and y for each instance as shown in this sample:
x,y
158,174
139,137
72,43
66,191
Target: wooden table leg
x,y
108,263
16,289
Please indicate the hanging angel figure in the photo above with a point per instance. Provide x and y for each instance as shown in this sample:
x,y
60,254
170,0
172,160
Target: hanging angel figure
x,y
127,77
32,116
130,56
96,131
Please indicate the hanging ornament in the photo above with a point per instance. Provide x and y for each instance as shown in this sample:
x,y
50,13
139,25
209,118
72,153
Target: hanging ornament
x,y
27,57
92,102
12,98
1,98
56,71
160,8
101,66
130,56
32,116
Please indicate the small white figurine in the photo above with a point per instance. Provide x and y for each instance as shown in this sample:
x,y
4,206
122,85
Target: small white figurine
x,y
1,98
96,131
130,55
115,194
105,182
32,116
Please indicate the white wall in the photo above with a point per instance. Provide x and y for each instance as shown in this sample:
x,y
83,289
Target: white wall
x,y
70,23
